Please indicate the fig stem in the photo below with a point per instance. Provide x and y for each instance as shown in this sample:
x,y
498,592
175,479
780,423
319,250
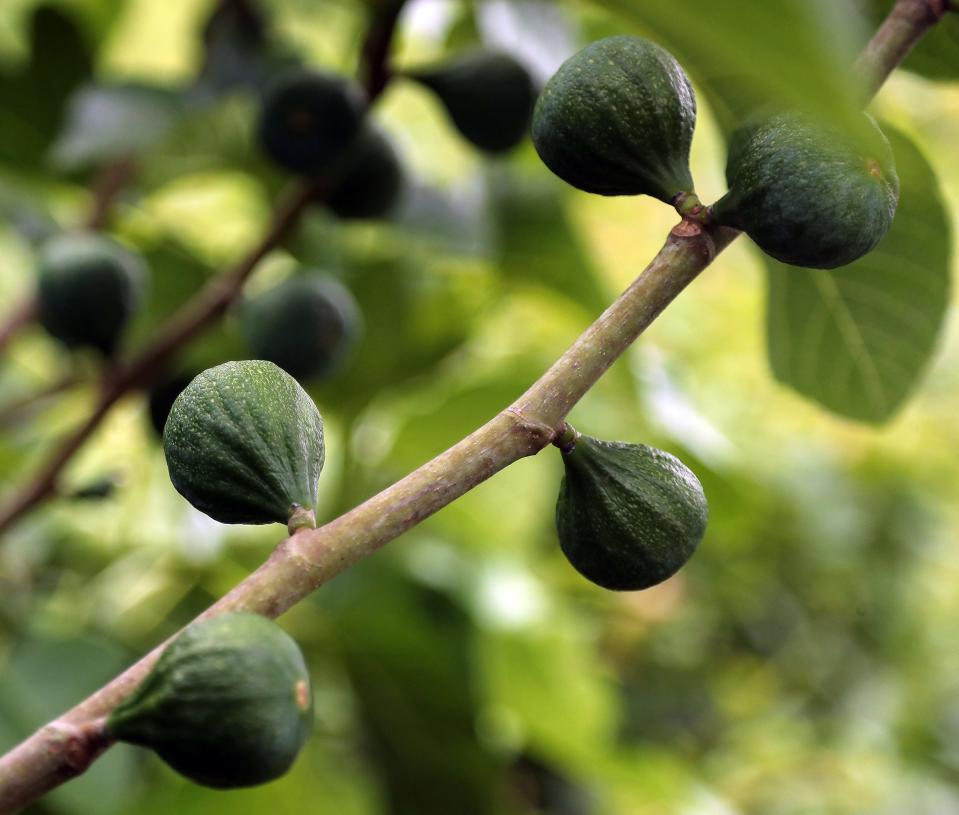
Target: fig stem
x,y
566,440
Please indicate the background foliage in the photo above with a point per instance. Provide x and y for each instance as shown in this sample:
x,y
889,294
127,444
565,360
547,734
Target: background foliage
x,y
802,663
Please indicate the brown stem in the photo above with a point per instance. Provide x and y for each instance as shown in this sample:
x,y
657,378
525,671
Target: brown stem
x,y
903,27
375,69
110,181
16,320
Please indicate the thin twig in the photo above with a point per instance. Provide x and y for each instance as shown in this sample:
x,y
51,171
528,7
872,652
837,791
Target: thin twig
x,y
110,181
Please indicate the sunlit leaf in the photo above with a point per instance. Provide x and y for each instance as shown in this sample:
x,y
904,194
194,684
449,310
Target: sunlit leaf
x,y
857,339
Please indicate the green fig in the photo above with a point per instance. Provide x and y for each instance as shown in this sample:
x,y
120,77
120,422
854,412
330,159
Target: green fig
x,y
88,290
244,444
309,120
617,119
807,193
308,324
628,516
371,183
228,703
489,96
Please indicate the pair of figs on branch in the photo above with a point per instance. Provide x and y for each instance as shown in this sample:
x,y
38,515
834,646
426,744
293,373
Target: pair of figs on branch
x,y
244,444
618,119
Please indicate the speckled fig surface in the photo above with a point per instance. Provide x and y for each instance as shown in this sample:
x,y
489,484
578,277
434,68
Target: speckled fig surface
x,y
228,704
807,193
628,515
618,119
244,442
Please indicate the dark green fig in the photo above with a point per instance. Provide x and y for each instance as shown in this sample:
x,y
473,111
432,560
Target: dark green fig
x,y
228,703
628,515
309,120
307,325
88,289
807,193
370,184
244,444
617,119
489,97
160,399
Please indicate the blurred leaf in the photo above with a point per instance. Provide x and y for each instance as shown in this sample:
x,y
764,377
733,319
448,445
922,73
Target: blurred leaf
x,y
416,311
857,339
235,41
455,221
528,675
220,137
936,55
35,688
32,101
110,122
745,53
407,651
537,242
540,34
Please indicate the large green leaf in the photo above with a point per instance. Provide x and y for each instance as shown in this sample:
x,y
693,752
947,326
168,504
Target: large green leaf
x,y
745,53
857,339
32,100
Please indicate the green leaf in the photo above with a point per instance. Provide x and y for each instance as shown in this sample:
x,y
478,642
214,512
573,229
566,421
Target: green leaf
x,y
108,122
857,339
32,100
537,242
746,53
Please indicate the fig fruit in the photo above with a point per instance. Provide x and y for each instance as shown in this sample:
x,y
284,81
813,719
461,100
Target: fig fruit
x,y
308,324
88,289
488,95
228,703
807,193
309,120
244,444
617,119
371,183
628,515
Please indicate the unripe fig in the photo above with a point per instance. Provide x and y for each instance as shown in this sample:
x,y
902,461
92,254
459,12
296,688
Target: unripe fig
x,y
628,516
309,120
307,324
371,182
228,703
88,289
617,119
160,399
488,95
807,193
244,444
